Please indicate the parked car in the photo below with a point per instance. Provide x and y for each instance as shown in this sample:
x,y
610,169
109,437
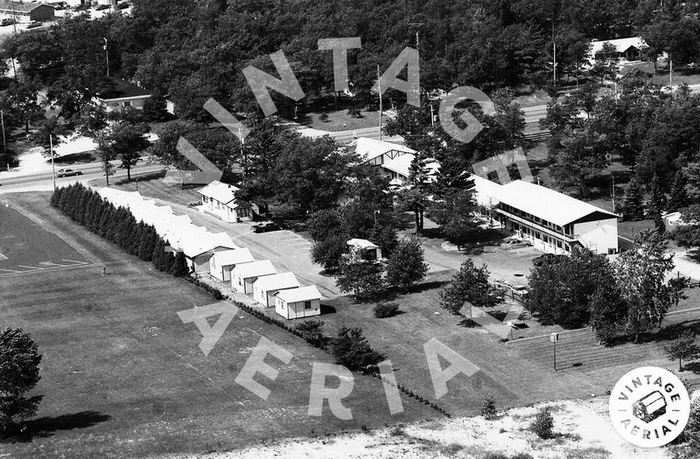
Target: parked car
x,y
102,7
7,22
265,227
547,259
67,173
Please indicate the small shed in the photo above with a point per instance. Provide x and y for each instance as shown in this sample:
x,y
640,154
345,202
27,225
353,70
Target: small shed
x,y
199,247
362,249
297,303
222,263
266,287
243,276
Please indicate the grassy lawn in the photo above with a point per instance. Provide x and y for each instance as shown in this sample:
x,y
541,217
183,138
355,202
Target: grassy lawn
x,y
123,376
155,188
341,121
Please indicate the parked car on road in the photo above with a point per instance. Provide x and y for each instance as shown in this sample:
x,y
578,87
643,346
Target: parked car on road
x,y
67,173
265,227
7,22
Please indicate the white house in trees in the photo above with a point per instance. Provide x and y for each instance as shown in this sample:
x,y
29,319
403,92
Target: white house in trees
x,y
298,302
266,287
219,199
244,275
222,263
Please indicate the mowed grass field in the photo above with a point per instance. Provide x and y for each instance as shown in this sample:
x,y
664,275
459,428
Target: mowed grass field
x,y
25,246
123,376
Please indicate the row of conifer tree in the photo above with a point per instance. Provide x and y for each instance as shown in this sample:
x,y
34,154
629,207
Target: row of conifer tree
x,y
119,226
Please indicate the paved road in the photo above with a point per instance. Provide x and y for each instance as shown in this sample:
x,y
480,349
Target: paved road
x,y
43,181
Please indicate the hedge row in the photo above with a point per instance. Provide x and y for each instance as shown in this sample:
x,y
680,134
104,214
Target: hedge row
x,y
119,226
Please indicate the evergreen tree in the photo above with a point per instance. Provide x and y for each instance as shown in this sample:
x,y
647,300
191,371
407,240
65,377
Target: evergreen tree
x,y
469,284
679,196
19,361
168,261
179,267
158,255
633,207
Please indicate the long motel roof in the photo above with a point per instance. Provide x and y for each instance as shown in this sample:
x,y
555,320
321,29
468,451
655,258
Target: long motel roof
x,y
278,281
233,257
295,295
547,204
255,269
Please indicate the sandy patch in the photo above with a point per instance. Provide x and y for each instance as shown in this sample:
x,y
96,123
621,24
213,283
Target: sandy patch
x,y
583,431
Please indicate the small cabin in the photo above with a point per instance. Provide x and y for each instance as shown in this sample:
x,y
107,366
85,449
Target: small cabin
x,y
297,303
362,249
266,288
244,276
223,263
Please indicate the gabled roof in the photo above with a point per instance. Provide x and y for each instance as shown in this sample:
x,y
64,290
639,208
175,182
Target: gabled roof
x,y
120,89
277,281
369,149
620,44
233,257
219,191
20,7
199,243
546,203
295,295
402,165
362,244
255,269
485,191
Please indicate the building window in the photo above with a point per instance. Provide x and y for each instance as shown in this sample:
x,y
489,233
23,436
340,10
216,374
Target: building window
x,y
307,304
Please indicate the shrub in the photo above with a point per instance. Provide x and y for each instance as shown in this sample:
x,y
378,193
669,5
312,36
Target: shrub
x,y
543,424
352,350
311,332
406,265
383,310
488,408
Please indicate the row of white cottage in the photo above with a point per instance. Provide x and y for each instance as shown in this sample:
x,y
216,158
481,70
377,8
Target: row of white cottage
x,y
216,254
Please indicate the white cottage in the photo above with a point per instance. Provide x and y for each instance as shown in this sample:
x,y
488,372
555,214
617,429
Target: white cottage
x,y
219,199
244,276
266,287
222,263
200,247
297,303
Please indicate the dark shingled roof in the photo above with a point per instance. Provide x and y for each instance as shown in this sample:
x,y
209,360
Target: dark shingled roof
x,y
121,88
20,7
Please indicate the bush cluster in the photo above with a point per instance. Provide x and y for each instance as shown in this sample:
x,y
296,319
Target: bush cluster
x,y
383,310
117,225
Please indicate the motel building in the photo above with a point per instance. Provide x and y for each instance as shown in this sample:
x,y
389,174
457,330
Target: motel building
x,y
265,288
298,303
244,276
553,222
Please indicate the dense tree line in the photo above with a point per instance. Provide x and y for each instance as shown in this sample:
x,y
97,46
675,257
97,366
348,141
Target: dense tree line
x,y
189,51
119,226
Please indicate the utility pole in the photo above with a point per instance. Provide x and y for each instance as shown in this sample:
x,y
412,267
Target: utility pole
x,y
432,115
106,54
670,73
53,168
613,192
554,63
381,106
2,121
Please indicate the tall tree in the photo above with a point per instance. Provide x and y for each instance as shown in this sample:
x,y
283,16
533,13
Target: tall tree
x,y
406,265
469,284
633,208
641,275
683,348
19,362
679,196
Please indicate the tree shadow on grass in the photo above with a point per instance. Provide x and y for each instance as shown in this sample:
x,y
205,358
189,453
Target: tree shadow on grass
x,y
47,426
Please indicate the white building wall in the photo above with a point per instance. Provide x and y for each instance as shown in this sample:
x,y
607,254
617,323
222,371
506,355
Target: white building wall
x,y
598,236
297,310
